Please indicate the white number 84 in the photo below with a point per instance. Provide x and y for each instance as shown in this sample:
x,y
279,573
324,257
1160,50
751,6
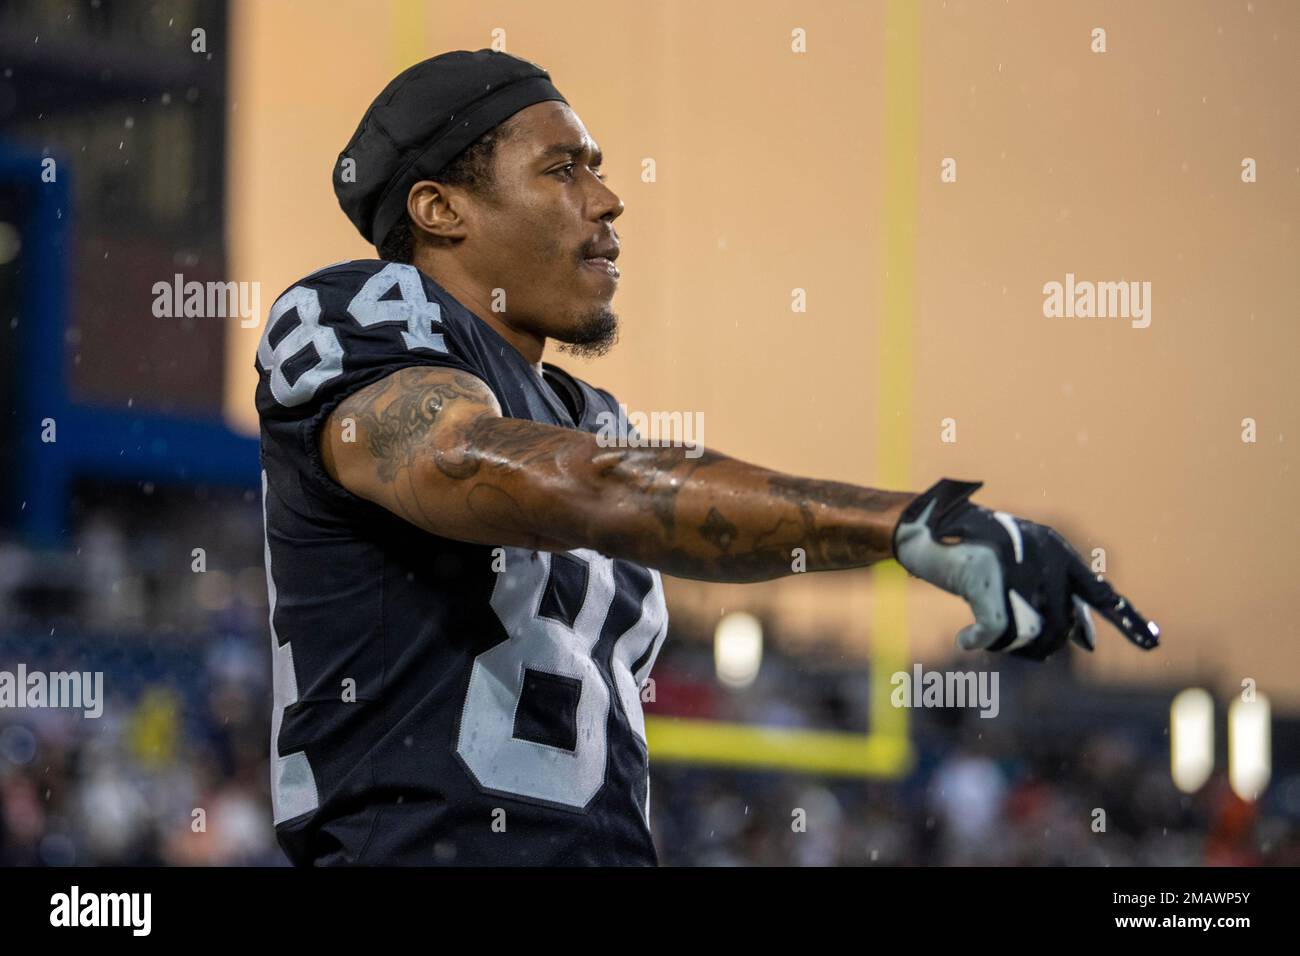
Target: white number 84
x,y
413,310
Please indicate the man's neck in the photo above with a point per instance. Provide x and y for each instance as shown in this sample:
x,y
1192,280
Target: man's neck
x,y
479,302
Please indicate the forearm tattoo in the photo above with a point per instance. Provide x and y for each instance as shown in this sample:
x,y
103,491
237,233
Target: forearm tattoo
x,y
711,517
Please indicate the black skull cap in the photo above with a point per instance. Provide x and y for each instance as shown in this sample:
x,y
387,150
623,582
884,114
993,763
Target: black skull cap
x,y
424,119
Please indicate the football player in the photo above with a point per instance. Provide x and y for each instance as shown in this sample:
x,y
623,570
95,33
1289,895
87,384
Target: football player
x,y
464,581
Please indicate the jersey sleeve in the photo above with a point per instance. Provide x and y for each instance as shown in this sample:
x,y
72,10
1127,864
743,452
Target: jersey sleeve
x,y
331,334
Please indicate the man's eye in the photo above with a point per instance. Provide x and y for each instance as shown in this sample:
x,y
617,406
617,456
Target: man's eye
x,y
567,172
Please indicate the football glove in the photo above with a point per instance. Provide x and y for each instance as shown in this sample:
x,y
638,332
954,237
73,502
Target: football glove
x,y
1029,589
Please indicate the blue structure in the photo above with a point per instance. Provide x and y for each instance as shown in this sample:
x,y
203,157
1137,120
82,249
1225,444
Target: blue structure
x,y
90,439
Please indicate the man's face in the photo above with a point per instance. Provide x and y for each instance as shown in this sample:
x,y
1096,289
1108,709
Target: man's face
x,y
538,238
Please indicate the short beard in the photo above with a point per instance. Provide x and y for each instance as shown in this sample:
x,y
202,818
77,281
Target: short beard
x,y
596,333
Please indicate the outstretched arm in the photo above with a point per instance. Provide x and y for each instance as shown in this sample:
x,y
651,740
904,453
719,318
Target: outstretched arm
x,y
432,446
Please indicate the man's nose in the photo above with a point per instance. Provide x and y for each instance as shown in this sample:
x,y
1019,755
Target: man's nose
x,y
611,205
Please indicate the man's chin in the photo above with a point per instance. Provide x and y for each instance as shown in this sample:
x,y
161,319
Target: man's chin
x,y
592,335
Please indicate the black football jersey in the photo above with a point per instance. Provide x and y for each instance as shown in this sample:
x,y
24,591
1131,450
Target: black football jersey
x,y
436,701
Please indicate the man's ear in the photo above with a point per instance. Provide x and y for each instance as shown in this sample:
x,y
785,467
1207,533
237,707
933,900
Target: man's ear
x,y
435,210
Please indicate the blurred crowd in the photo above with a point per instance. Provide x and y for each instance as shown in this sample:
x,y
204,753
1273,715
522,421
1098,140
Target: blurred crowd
x,y
974,805
175,772
1038,785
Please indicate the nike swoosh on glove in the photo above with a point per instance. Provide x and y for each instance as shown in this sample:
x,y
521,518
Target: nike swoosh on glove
x,y
1029,589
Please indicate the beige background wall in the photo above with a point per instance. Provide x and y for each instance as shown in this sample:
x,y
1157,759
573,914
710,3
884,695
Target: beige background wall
x,y
772,175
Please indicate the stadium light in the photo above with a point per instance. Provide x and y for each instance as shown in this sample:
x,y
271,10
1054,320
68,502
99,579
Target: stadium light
x,y
10,243
738,649
1250,762
1191,739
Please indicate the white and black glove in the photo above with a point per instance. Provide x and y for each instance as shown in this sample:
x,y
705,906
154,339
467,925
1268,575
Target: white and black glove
x,y
1029,589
